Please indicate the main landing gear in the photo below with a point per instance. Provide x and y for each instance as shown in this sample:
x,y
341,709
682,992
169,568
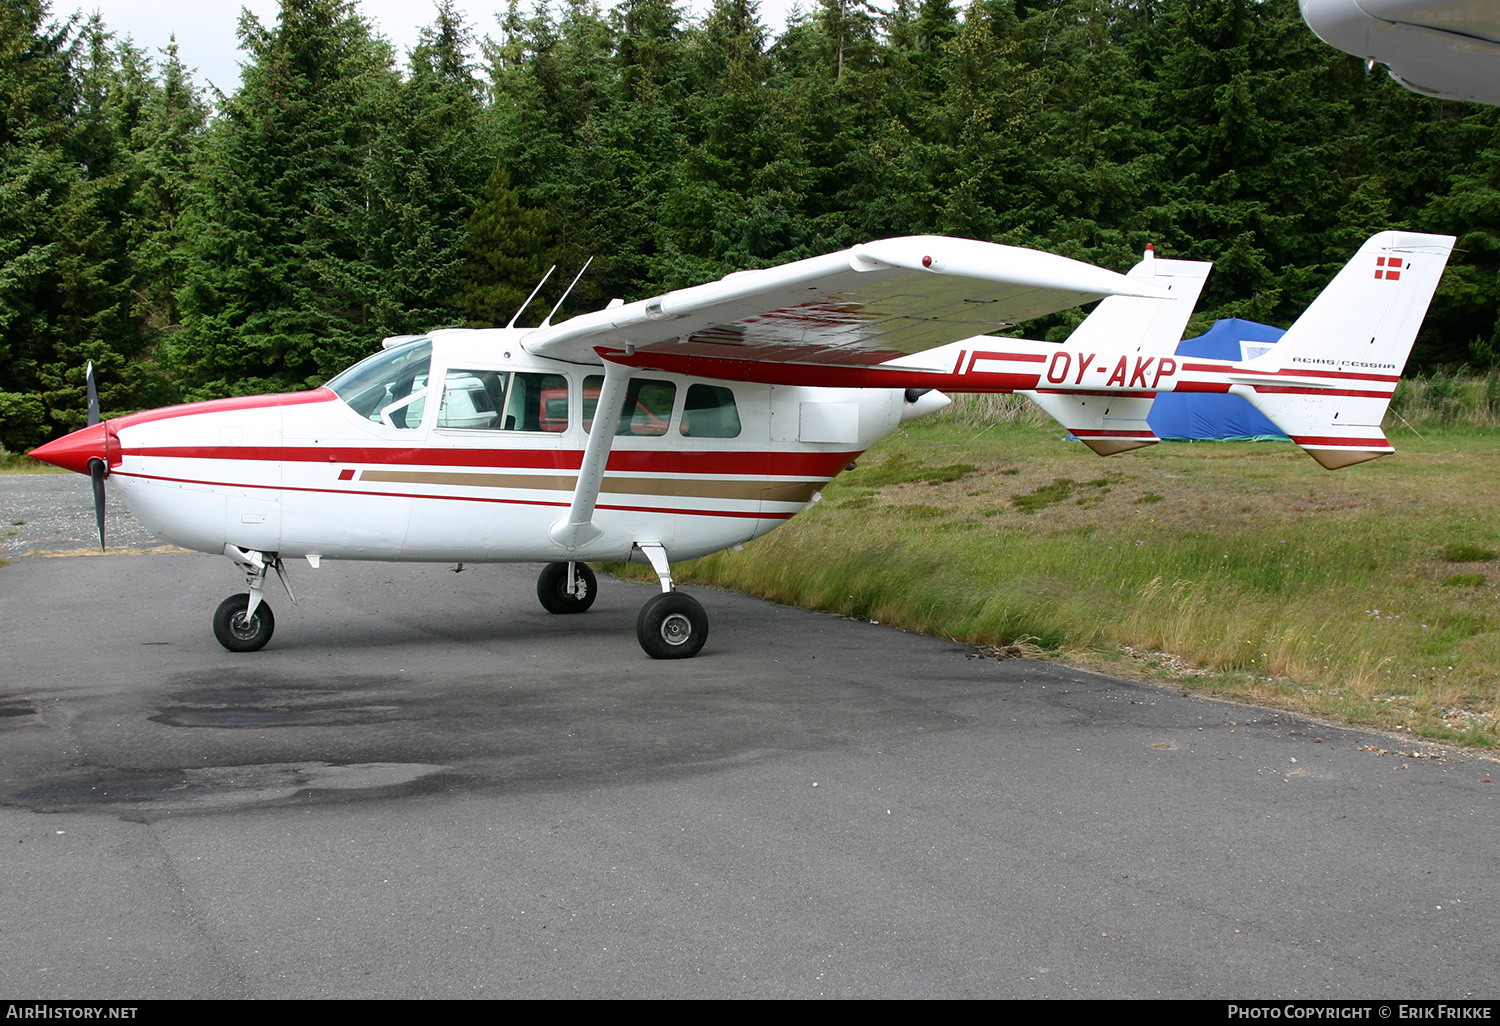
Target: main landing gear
x,y
566,587
670,626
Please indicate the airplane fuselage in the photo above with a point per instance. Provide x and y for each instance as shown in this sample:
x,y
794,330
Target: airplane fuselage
x,y
484,460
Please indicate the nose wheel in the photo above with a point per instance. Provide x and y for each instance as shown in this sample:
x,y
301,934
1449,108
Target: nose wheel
x,y
238,632
672,626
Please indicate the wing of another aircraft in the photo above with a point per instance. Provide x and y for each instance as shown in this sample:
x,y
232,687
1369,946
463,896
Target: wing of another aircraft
x,y
855,308
1448,48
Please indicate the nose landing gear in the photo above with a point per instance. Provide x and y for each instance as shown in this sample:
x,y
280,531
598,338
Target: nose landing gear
x,y
243,623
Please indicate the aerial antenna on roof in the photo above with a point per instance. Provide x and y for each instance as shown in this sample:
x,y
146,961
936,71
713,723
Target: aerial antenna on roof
x,y
548,322
529,298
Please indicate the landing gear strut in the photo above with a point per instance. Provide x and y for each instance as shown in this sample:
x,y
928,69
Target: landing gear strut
x,y
566,587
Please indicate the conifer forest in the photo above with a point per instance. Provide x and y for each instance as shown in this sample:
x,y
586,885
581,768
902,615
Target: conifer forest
x,y
194,245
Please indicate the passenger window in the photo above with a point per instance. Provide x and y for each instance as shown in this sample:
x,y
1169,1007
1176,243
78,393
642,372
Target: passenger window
x,y
646,411
472,399
538,402
709,412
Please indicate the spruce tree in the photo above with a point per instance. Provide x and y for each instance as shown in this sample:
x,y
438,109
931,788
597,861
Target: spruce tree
x,y
428,168
283,290
36,179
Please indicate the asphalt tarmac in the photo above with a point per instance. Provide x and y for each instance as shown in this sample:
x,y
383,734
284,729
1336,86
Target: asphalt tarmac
x,y
426,786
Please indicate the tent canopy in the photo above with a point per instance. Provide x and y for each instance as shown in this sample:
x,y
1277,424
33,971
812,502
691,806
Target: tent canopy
x,y
1190,415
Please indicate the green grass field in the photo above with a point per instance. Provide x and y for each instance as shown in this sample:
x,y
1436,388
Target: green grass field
x,y
1243,568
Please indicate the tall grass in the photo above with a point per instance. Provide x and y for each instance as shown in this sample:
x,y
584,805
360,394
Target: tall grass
x,y
20,463
1442,399
983,410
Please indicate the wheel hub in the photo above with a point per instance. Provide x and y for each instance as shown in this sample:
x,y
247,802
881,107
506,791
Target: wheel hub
x,y
676,629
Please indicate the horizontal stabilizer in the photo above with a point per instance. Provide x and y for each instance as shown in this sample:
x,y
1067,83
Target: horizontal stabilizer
x,y
1105,423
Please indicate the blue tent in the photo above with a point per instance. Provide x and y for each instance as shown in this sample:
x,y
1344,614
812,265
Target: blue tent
x,y
1189,415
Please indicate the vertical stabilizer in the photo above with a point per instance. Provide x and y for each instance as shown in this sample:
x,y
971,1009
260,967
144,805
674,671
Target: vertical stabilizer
x,y
1150,325
1327,383
1111,423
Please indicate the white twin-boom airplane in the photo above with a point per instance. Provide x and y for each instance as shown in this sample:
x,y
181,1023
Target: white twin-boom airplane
x,y
694,421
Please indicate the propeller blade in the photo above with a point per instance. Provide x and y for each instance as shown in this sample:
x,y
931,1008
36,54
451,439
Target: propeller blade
x,y
96,478
93,390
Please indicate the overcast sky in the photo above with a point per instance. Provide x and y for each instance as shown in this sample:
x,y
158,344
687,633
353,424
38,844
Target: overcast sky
x,y
206,28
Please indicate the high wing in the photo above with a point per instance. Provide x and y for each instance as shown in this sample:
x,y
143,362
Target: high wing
x,y
841,313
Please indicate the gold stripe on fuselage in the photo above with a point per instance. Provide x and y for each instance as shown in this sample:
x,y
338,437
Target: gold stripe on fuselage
x,y
700,488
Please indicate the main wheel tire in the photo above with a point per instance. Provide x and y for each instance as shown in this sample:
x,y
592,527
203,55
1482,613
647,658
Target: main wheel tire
x,y
552,588
672,626
235,632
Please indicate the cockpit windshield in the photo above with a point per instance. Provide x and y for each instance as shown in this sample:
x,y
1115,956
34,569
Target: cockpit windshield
x,y
389,387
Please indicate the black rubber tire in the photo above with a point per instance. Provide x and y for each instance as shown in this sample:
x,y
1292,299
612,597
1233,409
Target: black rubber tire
x,y
232,631
672,626
552,588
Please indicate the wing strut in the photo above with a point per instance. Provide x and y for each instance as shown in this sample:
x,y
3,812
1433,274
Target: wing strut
x,y
578,527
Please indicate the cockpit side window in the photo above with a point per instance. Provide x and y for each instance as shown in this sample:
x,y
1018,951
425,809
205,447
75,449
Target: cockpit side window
x,y
493,400
389,387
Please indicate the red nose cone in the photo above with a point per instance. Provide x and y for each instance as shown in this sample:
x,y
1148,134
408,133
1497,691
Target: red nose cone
x,y
73,452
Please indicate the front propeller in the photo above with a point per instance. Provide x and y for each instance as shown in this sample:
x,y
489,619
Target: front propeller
x,y
98,469
97,473
93,393
85,451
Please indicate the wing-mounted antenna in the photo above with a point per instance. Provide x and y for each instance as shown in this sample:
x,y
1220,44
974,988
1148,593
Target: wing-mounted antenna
x,y
548,322
529,298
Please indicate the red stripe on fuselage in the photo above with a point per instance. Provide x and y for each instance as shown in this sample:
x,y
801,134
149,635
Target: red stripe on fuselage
x,y
1096,392
789,464
1010,357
